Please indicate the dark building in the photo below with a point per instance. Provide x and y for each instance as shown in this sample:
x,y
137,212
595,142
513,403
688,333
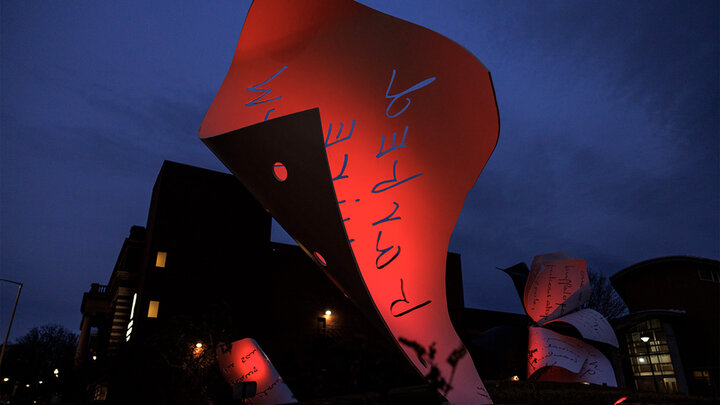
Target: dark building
x,y
670,339
204,271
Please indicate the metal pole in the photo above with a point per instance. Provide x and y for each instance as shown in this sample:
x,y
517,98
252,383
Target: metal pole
x,y
647,350
12,317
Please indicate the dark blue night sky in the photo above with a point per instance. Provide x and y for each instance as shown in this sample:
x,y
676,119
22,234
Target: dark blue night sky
x,y
608,145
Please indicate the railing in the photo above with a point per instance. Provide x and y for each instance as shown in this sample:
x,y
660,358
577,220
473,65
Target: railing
x,y
97,288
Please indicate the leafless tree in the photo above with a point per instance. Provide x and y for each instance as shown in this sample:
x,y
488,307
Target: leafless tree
x,y
604,298
30,363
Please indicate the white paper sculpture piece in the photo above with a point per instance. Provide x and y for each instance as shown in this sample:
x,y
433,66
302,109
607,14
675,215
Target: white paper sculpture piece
x,y
556,289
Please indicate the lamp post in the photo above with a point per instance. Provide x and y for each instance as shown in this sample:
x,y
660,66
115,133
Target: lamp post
x,y
7,334
645,340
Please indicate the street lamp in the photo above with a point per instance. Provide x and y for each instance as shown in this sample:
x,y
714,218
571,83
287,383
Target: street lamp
x,y
645,340
17,297
198,349
57,373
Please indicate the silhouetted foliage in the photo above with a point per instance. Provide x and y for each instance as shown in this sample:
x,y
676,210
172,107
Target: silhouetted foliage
x,y
604,298
166,366
34,357
48,347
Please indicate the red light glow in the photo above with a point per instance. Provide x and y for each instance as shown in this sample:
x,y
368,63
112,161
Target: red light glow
x,y
409,120
243,361
320,259
280,171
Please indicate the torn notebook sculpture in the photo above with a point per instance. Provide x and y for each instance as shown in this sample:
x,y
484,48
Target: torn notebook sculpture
x,y
362,134
555,290
244,362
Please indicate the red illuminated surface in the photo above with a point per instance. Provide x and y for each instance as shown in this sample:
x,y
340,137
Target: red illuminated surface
x,y
280,171
556,357
555,287
409,120
244,361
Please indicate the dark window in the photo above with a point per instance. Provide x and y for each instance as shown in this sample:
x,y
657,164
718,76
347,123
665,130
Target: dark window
x,y
321,327
709,275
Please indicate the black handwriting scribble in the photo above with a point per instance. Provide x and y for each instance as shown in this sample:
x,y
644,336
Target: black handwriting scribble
x,y
405,300
264,392
480,390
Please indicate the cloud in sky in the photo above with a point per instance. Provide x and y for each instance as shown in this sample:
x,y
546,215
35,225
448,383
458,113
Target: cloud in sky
x,y
608,146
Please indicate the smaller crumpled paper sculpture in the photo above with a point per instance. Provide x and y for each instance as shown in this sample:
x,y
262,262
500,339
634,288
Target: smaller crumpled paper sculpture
x,y
244,361
557,287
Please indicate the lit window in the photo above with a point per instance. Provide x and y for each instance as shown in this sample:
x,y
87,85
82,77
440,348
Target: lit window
x,y
153,309
701,377
650,357
100,393
670,384
128,333
160,259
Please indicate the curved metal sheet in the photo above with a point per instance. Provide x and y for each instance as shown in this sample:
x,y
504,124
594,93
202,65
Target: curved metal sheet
x,y
409,120
304,203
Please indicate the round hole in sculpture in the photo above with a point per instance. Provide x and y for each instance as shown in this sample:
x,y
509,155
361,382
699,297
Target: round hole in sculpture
x,y
320,259
280,171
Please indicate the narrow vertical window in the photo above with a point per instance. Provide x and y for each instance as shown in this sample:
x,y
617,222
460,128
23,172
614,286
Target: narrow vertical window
x,y
153,309
160,259
321,327
128,333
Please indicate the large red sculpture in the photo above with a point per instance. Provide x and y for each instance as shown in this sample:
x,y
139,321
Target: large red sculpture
x,y
391,125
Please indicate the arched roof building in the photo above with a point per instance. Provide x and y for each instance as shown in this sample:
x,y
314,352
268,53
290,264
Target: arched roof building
x,y
671,337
